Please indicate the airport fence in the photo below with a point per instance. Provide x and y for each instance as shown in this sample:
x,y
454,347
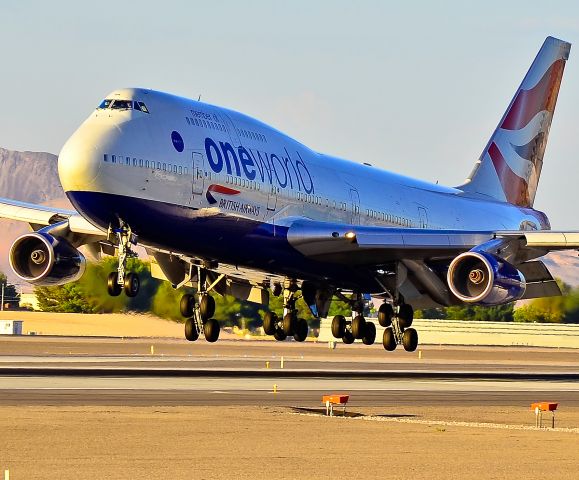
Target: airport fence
x,y
459,332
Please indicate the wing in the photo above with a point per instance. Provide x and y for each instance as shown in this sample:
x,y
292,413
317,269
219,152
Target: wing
x,y
425,255
70,223
361,245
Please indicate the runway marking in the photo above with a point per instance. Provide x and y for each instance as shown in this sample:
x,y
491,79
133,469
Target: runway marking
x,y
442,423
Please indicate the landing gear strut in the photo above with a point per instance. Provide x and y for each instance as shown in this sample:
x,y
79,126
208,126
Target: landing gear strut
x,y
398,322
290,324
120,280
358,327
200,310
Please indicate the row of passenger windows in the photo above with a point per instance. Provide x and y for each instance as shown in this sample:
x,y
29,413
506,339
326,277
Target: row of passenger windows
x,y
386,217
206,124
242,182
150,164
254,136
123,105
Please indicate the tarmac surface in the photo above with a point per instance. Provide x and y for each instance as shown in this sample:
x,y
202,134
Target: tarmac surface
x,y
109,371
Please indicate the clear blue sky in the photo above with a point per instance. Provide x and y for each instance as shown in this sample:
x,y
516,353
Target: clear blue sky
x,y
414,87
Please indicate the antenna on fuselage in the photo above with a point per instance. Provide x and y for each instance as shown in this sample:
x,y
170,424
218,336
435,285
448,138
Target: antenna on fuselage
x,y
199,98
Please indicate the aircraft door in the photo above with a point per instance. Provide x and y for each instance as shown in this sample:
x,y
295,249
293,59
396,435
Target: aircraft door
x,y
197,174
355,198
272,198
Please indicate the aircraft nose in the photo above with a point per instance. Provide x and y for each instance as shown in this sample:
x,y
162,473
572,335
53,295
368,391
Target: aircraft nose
x,y
79,161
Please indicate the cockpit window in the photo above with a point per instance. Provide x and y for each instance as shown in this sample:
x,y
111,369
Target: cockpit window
x,y
122,105
143,108
106,103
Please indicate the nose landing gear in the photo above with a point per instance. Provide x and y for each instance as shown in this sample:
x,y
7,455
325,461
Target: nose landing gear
x,y
120,280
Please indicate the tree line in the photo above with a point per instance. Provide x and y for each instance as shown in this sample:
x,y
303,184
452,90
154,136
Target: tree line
x,y
89,295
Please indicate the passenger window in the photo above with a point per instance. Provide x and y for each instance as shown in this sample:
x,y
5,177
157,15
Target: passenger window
x,y
180,170
114,158
128,161
144,108
158,165
164,167
174,168
106,157
134,162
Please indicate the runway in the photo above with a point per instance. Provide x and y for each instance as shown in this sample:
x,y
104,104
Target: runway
x,y
105,371
167,408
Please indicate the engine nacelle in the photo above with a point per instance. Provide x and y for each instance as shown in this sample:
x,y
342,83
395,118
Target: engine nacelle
x,y
479,277
44,260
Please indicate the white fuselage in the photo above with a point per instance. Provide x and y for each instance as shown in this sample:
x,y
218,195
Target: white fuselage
x,y
130,153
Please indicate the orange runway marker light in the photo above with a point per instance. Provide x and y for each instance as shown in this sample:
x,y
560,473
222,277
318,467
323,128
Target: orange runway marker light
x,y
539,408
336,399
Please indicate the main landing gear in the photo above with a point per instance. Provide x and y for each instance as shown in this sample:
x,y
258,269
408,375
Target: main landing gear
x,y
396,321
200,309
121,280
356,329
290,324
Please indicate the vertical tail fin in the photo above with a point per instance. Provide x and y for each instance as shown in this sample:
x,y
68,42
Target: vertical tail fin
x,y
510,165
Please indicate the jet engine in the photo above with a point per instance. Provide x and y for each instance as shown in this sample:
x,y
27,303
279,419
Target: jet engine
x,y
45,260
485,279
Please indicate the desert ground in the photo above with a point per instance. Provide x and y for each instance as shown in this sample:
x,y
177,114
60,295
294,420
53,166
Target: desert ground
x,y
271,442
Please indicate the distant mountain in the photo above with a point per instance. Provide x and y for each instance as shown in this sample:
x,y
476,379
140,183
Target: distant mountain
x,y
29,176
33,177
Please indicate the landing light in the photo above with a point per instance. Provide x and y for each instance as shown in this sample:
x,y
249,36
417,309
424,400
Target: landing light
x,y
350,235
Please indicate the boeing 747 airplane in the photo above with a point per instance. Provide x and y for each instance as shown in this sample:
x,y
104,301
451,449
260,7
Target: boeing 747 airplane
x,y
227,204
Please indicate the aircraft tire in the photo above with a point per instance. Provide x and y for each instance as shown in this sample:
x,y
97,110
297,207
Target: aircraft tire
x,y
385,315
211,330
410,339
348,338
279,335
289,324
405,316
338,326
206,307
132,285
113,286
191,332
187,305
388,340
369,334
301,331
358,326
269,322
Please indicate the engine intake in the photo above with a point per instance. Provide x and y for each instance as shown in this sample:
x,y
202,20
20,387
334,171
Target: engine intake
x,y
479,277
44,260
